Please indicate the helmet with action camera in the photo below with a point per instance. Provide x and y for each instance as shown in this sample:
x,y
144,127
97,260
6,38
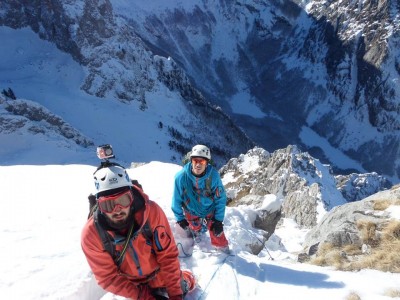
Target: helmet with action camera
x,y
109,176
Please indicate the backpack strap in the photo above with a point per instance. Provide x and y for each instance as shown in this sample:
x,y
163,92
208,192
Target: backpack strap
x,y
208,189
147,232
108,244
107,241
105,237
118,260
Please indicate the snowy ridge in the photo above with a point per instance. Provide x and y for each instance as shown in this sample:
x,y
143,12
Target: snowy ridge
x,y
37,119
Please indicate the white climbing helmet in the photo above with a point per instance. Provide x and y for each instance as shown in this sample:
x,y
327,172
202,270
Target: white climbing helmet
x,y
201,151
110,178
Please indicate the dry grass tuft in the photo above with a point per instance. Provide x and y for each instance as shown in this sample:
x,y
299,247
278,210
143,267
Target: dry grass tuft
x,y
392,231
368,232
385,203
328,255
352,249
384,254
382,259
353,296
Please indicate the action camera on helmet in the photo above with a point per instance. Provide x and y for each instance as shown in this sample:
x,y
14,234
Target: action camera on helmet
x,y
105,152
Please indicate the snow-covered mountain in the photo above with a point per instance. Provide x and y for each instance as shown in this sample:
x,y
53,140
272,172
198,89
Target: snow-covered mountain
x,y
91,59
322,75
329,67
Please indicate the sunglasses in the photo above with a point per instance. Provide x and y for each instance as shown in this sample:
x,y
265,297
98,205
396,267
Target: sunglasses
x,y
201,161
107,204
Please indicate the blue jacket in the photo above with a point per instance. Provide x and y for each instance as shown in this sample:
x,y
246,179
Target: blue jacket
x,y
200,196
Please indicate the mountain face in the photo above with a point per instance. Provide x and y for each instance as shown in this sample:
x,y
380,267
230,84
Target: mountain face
x,y
278,68
118,65
331,67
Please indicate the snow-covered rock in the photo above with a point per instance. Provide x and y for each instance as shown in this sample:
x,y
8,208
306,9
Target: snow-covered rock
x,y
290,182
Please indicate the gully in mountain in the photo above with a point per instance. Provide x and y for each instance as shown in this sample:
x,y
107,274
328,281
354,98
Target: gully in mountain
x,y
199,198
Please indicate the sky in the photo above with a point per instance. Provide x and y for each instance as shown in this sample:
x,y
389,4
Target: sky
x,y
42,258
46,179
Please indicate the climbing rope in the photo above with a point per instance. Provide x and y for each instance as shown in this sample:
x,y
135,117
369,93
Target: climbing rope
x,y
212,277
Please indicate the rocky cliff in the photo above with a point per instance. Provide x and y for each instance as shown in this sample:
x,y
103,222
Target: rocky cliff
x,y
305,188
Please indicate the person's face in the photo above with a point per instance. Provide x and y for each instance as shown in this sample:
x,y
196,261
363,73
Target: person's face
x,y
116,207
198,165
119,215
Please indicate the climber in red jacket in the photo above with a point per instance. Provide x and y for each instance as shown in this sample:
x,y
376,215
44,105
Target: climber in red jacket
x,y
128,242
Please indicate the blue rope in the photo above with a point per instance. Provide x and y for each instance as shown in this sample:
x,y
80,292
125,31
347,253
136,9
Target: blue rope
x,y
183,250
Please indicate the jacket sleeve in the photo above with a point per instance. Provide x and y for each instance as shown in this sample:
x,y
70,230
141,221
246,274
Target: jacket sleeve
x,y
177,200
166,250
219,196
103,266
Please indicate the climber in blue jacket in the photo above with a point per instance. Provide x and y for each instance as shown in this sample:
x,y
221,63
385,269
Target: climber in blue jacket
x,y
199,198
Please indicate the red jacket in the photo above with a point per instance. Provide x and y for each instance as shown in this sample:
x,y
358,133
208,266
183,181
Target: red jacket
x,y
162,255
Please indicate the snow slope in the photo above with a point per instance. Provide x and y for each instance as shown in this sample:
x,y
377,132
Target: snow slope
x,y
42,259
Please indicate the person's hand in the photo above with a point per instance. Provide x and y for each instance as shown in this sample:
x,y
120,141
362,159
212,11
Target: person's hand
x,y
217,227
184,224
179,297
145,293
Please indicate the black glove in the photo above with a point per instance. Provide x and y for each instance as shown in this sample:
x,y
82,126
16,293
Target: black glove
x,y
184,224
217,227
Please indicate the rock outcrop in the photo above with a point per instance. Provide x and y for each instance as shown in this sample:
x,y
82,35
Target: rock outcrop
x,y
36,119
343,224
292,184
305,187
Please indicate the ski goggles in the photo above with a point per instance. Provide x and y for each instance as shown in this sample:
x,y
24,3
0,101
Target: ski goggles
x,y
201,161
107,204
